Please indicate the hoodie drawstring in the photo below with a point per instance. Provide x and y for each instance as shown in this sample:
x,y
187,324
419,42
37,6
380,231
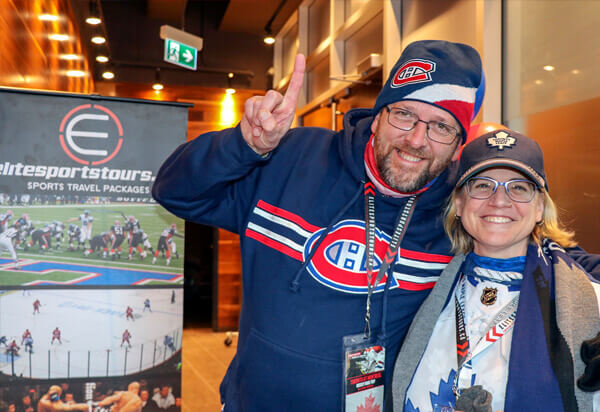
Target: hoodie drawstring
x,y
295,284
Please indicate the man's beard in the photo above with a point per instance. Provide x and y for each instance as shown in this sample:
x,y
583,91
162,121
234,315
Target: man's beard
x,y
400,181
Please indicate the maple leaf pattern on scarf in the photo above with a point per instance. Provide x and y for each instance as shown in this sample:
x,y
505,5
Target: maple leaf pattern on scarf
x,y
369,405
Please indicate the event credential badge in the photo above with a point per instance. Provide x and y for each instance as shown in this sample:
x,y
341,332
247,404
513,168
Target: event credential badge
x,y
364,366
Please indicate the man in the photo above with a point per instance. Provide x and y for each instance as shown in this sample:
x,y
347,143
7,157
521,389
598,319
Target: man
x,y
56,336
26,334
125,338
164,398
4,219
51,402
26,405
129,313
98,243
117,235
319,213
75,235
124,401
166,244
6,243
36,306
86,226
28,341
145,396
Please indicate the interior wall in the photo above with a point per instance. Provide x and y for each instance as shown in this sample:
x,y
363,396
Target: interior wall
x,y
28,58
571,152
452,20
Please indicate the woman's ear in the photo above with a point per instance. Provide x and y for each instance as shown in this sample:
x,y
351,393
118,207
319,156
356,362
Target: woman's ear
x,y
459,203
540,200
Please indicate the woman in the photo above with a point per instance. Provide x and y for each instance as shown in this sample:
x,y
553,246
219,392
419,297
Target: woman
x,y
509,313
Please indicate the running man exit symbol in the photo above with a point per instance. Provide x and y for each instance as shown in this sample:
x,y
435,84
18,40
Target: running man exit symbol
x,y
180,54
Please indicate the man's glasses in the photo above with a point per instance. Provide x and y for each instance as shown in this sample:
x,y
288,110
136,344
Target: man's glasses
x,y
518,190
437,131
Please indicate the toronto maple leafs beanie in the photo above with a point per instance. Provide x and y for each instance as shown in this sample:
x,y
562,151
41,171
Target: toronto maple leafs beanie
x,y
503,148
447,75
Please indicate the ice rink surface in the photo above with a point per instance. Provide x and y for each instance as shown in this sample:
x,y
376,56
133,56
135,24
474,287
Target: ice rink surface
x,y
92,323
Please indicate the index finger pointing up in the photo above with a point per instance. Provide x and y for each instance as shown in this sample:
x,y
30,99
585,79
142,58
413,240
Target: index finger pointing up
x,y
293,91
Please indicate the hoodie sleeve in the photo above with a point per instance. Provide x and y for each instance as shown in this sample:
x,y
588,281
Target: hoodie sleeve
x,y
589,262
210,179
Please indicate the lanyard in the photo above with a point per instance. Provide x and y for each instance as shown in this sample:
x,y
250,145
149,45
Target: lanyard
x,y
402,220
498,327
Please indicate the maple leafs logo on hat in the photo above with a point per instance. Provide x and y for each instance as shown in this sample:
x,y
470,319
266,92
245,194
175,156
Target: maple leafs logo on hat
x,y
413,71
501,140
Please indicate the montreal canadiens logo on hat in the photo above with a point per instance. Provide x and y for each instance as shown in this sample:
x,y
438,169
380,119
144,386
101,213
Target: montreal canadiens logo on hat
x,y
501,140
413,71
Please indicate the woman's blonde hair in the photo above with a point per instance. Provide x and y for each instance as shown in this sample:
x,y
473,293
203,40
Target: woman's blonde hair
x,y
549,227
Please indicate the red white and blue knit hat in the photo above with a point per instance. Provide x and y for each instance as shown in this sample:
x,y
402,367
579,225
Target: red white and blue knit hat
x,y
447,75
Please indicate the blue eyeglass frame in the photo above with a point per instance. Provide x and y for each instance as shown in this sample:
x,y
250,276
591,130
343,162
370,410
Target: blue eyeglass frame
x,y
497,183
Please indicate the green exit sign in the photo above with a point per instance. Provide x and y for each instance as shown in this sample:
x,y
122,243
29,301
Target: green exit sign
x,y
180,54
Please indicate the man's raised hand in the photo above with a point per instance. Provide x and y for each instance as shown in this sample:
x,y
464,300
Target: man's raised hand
x,y
267,118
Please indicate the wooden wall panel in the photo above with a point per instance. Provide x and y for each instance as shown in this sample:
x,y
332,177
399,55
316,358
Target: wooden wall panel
x,y
29,59
570,139
228,282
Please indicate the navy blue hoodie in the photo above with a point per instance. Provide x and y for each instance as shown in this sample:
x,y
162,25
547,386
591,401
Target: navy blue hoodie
x,y
297,308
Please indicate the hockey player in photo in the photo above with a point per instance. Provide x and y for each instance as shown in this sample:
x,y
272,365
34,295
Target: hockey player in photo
x,y
13,348
125,338
117,234
6,243
129,313
28,344
168,342
147,305
56,336
36,306
26,335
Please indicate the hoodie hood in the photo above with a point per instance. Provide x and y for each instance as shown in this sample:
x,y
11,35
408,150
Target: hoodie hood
x,y
357,131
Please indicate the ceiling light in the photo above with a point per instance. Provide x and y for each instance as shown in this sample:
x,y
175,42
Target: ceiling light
x,y
58,37
230,75
268,39
230,90
108,75
548,68
48,17
101,59
75,73
98,40
70,57
157,83
575,71
93,20
93,17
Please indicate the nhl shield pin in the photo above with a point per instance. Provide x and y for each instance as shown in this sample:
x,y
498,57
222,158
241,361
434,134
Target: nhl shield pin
x,y
489,296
